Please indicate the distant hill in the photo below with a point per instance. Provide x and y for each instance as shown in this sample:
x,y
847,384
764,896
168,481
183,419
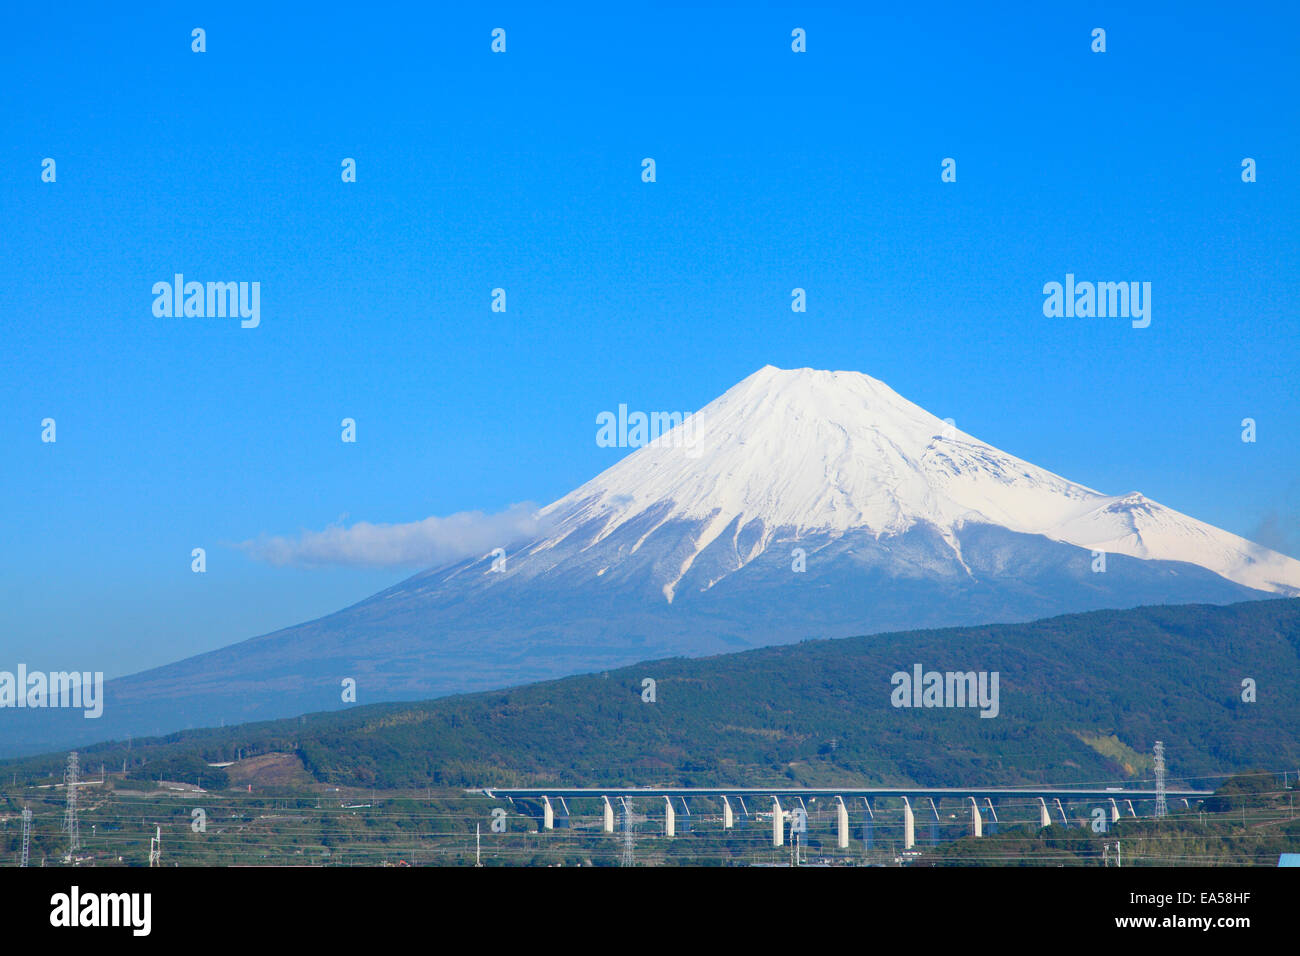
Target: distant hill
x,y
1082,698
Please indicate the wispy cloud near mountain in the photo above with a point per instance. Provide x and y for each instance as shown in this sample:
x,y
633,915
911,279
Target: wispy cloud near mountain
x,y
423,543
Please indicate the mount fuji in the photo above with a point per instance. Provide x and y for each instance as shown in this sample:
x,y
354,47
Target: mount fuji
x,y
799,504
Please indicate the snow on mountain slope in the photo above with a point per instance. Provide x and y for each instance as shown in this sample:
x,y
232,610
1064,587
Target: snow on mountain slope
x,y
805,452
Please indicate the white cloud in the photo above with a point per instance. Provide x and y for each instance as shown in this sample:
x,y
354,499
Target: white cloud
x,y
426,543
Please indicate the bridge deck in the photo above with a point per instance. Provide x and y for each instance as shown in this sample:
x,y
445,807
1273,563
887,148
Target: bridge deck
x,y
1029,792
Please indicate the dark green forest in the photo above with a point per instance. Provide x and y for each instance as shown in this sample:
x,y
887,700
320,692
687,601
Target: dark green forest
x,y
1083,698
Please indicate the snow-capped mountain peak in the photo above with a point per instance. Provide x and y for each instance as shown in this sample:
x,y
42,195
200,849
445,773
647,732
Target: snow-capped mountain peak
x,y
799,504
792,453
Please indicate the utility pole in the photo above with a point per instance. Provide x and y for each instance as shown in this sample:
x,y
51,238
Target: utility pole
x,y
1162,807
155,847
27,836
70,814
478,844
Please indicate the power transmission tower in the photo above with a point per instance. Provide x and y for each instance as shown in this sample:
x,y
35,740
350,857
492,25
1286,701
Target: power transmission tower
x,y
627,858
1162,807
27,836
70,814
155,847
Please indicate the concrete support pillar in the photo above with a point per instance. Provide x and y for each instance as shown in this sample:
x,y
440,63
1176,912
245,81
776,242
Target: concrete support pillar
x,y
842,824
1114,811
1131,811
778,824
1044,818
548,814
728,818
670,819
609,815
909,825
993,815
1061,810
976,821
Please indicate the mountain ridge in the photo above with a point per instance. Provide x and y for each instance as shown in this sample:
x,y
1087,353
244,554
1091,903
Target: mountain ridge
x,y
802,504
819,713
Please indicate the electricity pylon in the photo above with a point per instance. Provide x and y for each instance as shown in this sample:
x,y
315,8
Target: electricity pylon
x,y
27,836
627,858
1162,807
70,814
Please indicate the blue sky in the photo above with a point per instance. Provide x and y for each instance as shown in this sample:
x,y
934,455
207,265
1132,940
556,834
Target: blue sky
x,y
475,170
